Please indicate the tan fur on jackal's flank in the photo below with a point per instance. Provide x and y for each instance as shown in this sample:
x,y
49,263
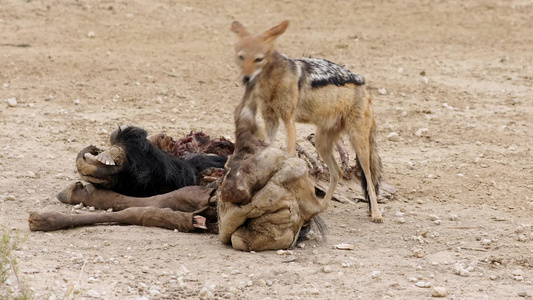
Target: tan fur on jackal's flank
x,y
310,91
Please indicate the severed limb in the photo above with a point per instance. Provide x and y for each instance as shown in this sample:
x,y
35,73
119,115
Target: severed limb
x,y
187,209
143,216
187,199
345,158
343,153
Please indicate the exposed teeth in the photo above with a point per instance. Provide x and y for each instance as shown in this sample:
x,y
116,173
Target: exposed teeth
x,y
210,178
106,159
103,158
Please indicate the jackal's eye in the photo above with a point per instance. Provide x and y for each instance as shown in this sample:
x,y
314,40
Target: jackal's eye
x,y
259,59
241,58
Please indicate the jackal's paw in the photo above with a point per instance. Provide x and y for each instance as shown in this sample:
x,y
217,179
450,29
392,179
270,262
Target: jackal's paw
x,y
378,219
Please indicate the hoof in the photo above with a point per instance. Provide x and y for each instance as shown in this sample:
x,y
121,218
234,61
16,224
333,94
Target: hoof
x,y
66,195
48,221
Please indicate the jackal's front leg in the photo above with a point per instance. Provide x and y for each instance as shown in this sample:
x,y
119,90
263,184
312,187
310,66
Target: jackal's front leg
x,y
271,123
271,127
290,127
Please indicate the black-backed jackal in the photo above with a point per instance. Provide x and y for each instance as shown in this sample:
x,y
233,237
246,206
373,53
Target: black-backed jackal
x,y
315,91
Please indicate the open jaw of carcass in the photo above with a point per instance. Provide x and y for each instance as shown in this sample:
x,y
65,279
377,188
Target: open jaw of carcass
x,y
99,166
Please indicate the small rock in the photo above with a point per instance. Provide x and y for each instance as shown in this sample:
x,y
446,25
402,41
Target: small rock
x,y
412,279
91,34
93,293
60,176
522,294
433,217
206,294
10,198
382,91
393,137
181,283
454,217
154,292
327,269
437,222
184,270
423,284
11,102
517,272
376,274
421,132
522,238
457,268
424,232
285,252
439,292
418,253
425,80
77,101
400,220
486,242
261,282
464,273
345,246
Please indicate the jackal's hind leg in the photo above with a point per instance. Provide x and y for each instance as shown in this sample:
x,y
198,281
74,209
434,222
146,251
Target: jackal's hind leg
x,y
362,151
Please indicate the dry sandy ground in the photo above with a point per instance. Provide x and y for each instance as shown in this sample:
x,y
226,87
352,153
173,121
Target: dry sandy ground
x,y
458,77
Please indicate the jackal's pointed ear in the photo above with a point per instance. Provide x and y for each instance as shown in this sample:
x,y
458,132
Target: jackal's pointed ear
x,y
238,28
271,34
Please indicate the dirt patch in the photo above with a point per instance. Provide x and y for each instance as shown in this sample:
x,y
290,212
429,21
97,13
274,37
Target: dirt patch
x,y
453,79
